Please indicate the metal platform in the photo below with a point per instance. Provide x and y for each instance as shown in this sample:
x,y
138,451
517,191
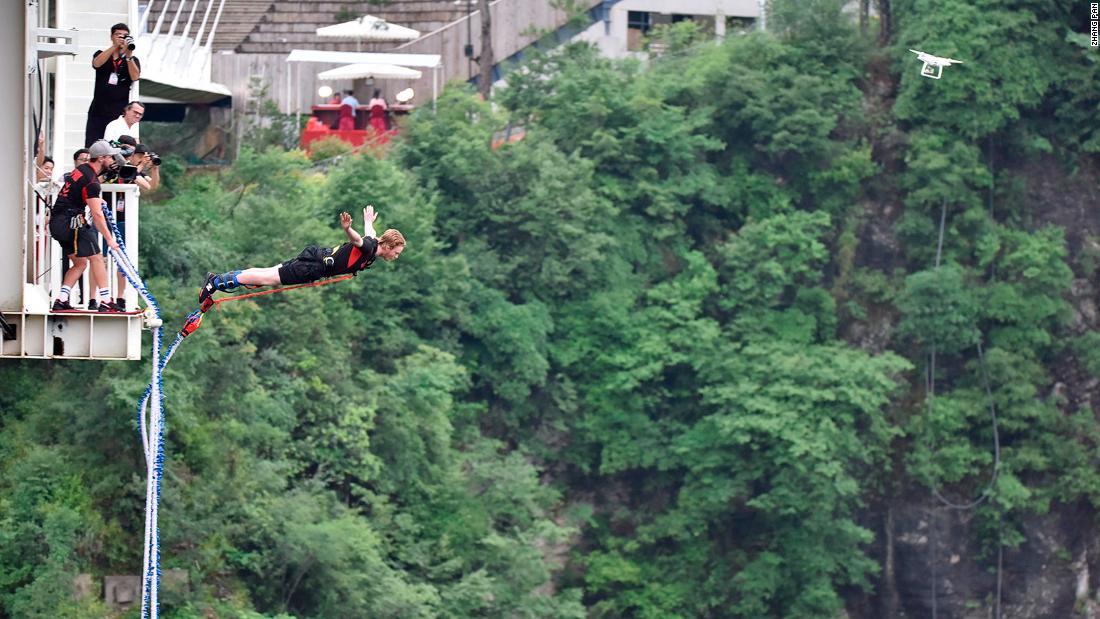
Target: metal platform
x,y
52,88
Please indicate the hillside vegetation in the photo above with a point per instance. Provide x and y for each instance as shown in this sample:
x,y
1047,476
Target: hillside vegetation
x,y
667,356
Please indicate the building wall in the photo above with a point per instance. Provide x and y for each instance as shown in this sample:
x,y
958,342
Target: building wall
x,y
516,24
75,77
12,230
612,36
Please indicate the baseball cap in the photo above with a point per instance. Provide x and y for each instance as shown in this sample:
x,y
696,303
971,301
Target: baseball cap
x,y
141,148
101,148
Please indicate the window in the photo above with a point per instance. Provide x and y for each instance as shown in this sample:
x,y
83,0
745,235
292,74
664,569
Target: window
x,y
637,26
639,20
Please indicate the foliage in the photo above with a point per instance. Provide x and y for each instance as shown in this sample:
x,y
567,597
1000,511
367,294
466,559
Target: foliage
x,y
264,125
663,357
996,82
939,310
328,148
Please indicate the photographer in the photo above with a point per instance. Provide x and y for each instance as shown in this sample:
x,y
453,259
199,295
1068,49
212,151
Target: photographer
x,y
135,164
148,164
115,71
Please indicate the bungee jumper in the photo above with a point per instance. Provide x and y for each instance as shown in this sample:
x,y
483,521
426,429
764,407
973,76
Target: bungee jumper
x,y
314,263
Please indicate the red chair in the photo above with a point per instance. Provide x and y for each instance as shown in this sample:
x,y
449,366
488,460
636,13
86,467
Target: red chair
x,y
347,118
378,119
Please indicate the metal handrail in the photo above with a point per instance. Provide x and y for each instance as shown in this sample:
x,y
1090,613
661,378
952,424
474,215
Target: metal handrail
x,y
46,272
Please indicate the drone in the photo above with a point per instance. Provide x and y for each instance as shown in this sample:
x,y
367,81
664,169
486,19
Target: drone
x,y
933,65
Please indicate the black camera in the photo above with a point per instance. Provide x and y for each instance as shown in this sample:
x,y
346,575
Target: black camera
x,y
155,158
124,149
127,173
129,42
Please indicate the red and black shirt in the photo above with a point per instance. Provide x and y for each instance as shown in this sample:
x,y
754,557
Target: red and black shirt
x,y
351,259
81,185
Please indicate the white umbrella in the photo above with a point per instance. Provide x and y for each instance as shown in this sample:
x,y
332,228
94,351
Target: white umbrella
x,y
369,28
377,71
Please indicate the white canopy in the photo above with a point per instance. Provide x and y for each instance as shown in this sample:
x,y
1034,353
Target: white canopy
x,y
369,28
430,61
377,71
404,60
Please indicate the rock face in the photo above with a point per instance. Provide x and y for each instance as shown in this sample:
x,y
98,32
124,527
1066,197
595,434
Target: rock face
x,y
935,568
943,563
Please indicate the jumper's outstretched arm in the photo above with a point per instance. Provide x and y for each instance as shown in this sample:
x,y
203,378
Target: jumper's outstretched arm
x,y
353,236
368,226
368,221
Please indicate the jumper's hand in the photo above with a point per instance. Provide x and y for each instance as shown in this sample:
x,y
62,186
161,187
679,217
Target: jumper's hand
x,y
345,220
369,215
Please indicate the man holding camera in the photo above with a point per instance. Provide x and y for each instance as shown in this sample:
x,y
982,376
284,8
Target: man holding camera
x,y
115,71
137,165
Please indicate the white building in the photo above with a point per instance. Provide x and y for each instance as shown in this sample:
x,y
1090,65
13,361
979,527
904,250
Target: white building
x,y
625,23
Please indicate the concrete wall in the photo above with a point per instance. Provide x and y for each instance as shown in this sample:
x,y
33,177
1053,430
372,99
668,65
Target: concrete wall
x,y
293,86
516,24
743,8
611,37
13,222
75,76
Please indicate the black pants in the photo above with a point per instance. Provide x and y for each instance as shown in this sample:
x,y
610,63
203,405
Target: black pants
x,y
95,127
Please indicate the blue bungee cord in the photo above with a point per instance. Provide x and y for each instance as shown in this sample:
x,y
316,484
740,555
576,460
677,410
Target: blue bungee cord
x,y
151,431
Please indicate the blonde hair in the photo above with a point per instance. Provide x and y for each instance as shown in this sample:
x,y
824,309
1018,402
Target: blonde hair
x,y
391,238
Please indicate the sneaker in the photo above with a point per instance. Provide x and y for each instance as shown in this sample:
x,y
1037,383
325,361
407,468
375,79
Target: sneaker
x,y
208,289
107,307
120,303
61,306
92,305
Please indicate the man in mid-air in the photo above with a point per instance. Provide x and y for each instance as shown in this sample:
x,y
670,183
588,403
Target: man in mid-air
x,y
315,262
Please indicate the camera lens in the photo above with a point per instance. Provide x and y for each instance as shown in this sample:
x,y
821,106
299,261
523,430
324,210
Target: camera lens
x,y
155,158
129,42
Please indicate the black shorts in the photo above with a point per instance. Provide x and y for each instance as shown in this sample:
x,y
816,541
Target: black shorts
x,y
82,242
308,267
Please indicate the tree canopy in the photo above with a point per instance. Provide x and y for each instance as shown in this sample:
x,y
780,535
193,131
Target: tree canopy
x,y
663,357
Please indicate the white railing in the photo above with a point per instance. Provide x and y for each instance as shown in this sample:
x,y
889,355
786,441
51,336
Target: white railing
x,y
184,57
48,256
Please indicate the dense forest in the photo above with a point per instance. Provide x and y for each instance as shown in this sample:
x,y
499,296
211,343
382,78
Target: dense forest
x,y
774,327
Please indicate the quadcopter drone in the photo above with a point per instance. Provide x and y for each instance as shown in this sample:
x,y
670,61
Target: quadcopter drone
x,y
933,65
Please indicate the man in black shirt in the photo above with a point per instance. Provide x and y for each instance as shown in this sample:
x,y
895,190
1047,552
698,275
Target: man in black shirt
x,y
316,262
115,71
69,225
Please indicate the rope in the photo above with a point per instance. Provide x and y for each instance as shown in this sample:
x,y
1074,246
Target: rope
x,y
930,395
151,425
249,295
150,417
